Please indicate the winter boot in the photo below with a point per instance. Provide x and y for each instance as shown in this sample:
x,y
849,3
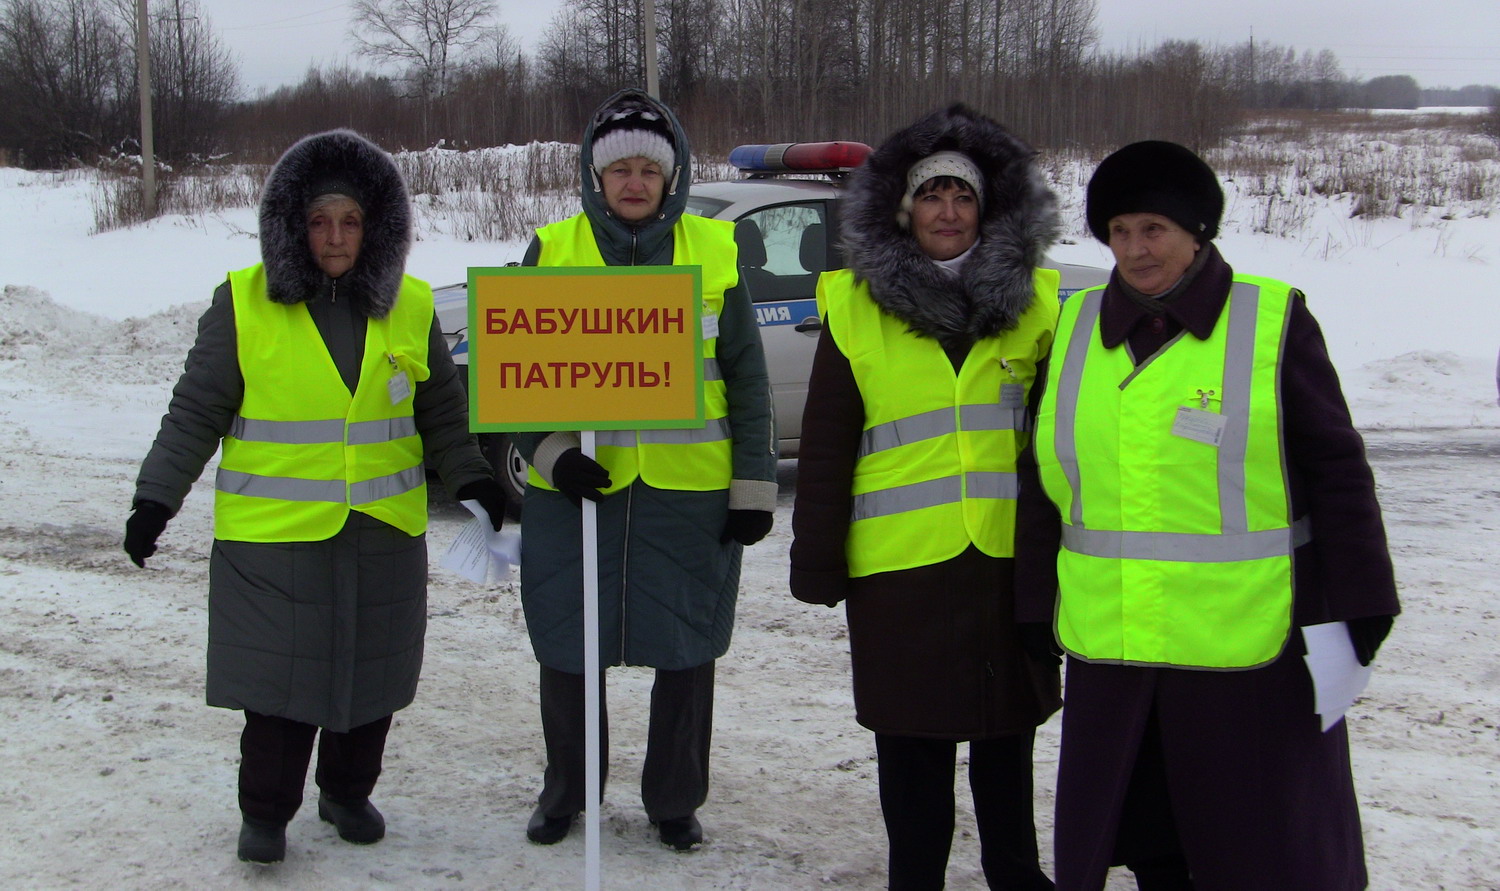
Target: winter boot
x,y
262,841
359,822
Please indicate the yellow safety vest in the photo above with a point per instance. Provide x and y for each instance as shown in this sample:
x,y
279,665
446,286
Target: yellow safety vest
x,y
693,459
1170,478
302,451
936,469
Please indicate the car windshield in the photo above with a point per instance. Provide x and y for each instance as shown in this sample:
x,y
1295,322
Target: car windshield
x,y
705,207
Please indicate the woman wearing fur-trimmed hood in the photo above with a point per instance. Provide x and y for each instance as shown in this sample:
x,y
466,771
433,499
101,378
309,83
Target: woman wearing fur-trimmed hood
x,y
324,375
905,499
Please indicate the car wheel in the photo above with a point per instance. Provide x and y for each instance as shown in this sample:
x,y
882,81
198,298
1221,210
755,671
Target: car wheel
x,y
510,469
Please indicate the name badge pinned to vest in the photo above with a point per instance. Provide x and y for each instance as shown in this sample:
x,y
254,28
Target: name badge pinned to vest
x,y
399,385
1200,426
710,324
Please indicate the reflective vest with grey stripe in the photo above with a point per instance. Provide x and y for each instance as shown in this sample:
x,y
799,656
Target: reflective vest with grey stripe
x,y
1170,479
697,458
303,451
936,469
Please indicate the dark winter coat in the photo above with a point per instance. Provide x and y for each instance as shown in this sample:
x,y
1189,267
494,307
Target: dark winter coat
x,y
325,632
668,582
1261,798
934,649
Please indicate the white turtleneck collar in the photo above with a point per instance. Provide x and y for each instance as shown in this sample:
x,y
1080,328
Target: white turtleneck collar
x,y
954,266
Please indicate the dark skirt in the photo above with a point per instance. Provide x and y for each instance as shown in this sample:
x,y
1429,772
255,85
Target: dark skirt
x,y
935,653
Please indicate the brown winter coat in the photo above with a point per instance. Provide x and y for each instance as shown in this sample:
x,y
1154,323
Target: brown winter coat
x,y
1261,798
934,648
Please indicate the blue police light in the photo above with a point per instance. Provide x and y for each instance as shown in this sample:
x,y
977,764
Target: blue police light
x,y
799,157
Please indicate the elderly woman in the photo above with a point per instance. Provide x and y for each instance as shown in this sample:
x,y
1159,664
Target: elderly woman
x,y
676,507
905,504
322,372
1203,497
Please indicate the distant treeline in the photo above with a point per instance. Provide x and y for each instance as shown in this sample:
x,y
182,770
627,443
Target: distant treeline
x,y
736,70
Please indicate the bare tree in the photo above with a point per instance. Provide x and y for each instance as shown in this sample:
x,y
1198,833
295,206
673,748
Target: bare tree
x,y
63,81
427,37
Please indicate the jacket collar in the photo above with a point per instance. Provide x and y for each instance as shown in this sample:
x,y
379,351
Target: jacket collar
x,y
1196,307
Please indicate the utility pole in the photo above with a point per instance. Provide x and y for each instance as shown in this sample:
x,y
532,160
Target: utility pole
x,y
649,38
148,147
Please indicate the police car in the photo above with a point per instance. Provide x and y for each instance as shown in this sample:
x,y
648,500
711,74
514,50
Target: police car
x,y
785,208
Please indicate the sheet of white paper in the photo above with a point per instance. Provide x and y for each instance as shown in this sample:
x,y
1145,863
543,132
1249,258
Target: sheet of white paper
x,y
478,547
1337,676
467,555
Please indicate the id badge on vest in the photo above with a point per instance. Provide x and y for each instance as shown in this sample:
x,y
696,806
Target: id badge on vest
x,y
399,385
1200,426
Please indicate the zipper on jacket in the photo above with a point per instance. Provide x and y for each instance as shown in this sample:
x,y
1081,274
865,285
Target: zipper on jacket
x,y
333,291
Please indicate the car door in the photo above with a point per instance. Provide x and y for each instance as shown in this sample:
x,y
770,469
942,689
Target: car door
x,y
783,248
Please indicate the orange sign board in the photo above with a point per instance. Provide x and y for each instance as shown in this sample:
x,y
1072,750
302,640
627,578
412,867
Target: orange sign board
x,y
585,347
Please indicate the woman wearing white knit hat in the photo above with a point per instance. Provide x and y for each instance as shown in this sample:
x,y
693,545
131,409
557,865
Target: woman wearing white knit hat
x,y
905,505
675,508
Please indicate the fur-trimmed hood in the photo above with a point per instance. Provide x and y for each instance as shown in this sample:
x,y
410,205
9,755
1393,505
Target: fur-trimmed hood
x,y
1019,223
292,274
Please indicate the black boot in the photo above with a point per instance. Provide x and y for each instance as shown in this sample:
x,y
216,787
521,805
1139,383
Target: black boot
x,y
358,823
544,830
681,834
262,841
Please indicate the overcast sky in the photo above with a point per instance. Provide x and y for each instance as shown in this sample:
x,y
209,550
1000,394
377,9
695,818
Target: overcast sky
x,y
1442,43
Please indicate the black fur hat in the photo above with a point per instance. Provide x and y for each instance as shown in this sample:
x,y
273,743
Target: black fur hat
x,y
355,167
1155,177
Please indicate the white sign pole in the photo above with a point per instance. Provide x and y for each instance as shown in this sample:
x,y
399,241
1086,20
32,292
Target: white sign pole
x,y
590,682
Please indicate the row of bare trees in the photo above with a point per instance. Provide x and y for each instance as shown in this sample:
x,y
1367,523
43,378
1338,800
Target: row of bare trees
x,y
448,72
68,87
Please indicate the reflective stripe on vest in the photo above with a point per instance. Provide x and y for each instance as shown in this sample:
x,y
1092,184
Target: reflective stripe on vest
x,y
1175,550
695,459
935,471
303,450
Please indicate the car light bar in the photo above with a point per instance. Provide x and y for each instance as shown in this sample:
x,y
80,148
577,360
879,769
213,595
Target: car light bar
x,y
799,157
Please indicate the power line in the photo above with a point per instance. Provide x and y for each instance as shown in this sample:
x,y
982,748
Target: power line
x,y
272,24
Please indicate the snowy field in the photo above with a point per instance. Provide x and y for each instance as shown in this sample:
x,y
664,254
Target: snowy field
x,y
114,774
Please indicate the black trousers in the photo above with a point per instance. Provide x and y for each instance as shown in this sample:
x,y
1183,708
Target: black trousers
x,y
674,782
917,801
274,754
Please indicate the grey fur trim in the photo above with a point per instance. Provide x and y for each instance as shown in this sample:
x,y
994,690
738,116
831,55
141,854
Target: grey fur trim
x,y
292,274
1019,222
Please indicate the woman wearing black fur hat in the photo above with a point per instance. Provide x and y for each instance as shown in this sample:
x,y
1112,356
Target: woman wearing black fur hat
x,y
905,504
1198,496
675,508
324,375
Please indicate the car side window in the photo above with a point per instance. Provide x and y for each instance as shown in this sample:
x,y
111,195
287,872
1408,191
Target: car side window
x,y
782,249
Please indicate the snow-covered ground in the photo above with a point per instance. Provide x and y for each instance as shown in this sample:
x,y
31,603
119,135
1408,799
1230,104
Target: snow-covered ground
x,y
114,774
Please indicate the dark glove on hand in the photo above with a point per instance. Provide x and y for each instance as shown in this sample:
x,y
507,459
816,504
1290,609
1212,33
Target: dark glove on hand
x,y
490,497
142,530
1367,633
578,476
1038,642
746,526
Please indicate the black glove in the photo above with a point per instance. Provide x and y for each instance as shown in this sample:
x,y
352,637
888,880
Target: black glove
x,y
578,476
142,530
1367,633
490,497
1039,643
746,526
